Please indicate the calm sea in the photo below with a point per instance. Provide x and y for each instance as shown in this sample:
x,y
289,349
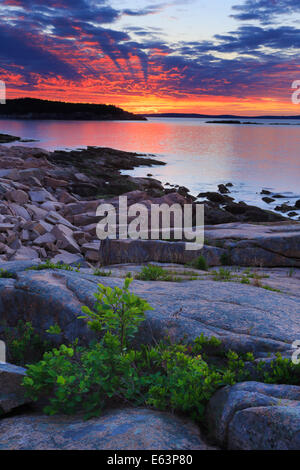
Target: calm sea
x,y
198,155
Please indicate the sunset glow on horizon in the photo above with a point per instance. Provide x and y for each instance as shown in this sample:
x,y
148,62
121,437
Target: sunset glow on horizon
x,y
232,57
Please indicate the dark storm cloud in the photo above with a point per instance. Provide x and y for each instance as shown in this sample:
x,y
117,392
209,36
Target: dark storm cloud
x,y
17,48
49,38
264,10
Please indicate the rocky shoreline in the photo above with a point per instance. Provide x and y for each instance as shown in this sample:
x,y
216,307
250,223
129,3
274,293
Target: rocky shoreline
x,y
48,203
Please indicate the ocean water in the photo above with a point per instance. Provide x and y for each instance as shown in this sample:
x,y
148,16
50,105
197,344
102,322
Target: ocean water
x,y
198,155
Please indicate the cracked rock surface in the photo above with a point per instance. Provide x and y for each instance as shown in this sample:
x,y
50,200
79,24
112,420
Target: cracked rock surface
x,y
243,317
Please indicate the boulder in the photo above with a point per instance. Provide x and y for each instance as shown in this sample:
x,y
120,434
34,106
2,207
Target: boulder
x,y
268,200
121,429
256,416
258,245
12,394
18,196
36,212
4,227
42,227
55,183
91,250
44,239
68,258
54,218
143,251
24,253
65,235
40,195
223,189
20,211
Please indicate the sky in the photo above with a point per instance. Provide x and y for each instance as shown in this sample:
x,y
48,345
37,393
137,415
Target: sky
x,y
199,56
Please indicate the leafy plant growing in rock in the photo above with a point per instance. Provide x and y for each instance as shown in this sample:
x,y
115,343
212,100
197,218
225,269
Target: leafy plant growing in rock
x,y
4,274
49,265
151,272
102,273
225,259
222,274
117,311
178,377
24,343
200,263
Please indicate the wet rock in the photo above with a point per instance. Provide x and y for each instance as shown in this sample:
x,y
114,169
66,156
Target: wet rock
x,y
266,192
216,197
285,208
268,200
223,189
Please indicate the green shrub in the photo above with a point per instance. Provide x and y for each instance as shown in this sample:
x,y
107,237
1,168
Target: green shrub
x,y
200,263
24,344
167,376
5,274
280,371
102,273
225,259
49,265
245,280
151,272
222,275
117,311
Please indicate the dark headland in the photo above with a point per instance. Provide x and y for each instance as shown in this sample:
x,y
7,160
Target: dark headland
x,y
217,116
31,108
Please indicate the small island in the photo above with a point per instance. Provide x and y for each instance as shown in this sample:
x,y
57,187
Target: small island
x,y
31,108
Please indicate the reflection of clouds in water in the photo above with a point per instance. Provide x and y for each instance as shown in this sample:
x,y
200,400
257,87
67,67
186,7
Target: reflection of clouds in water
x,y
200,156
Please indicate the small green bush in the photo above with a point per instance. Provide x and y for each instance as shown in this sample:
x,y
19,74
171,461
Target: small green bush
x,y
102,273
117,311
5,274
174,377
49,265
24,344
151,272
200,263
222,274
225,259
